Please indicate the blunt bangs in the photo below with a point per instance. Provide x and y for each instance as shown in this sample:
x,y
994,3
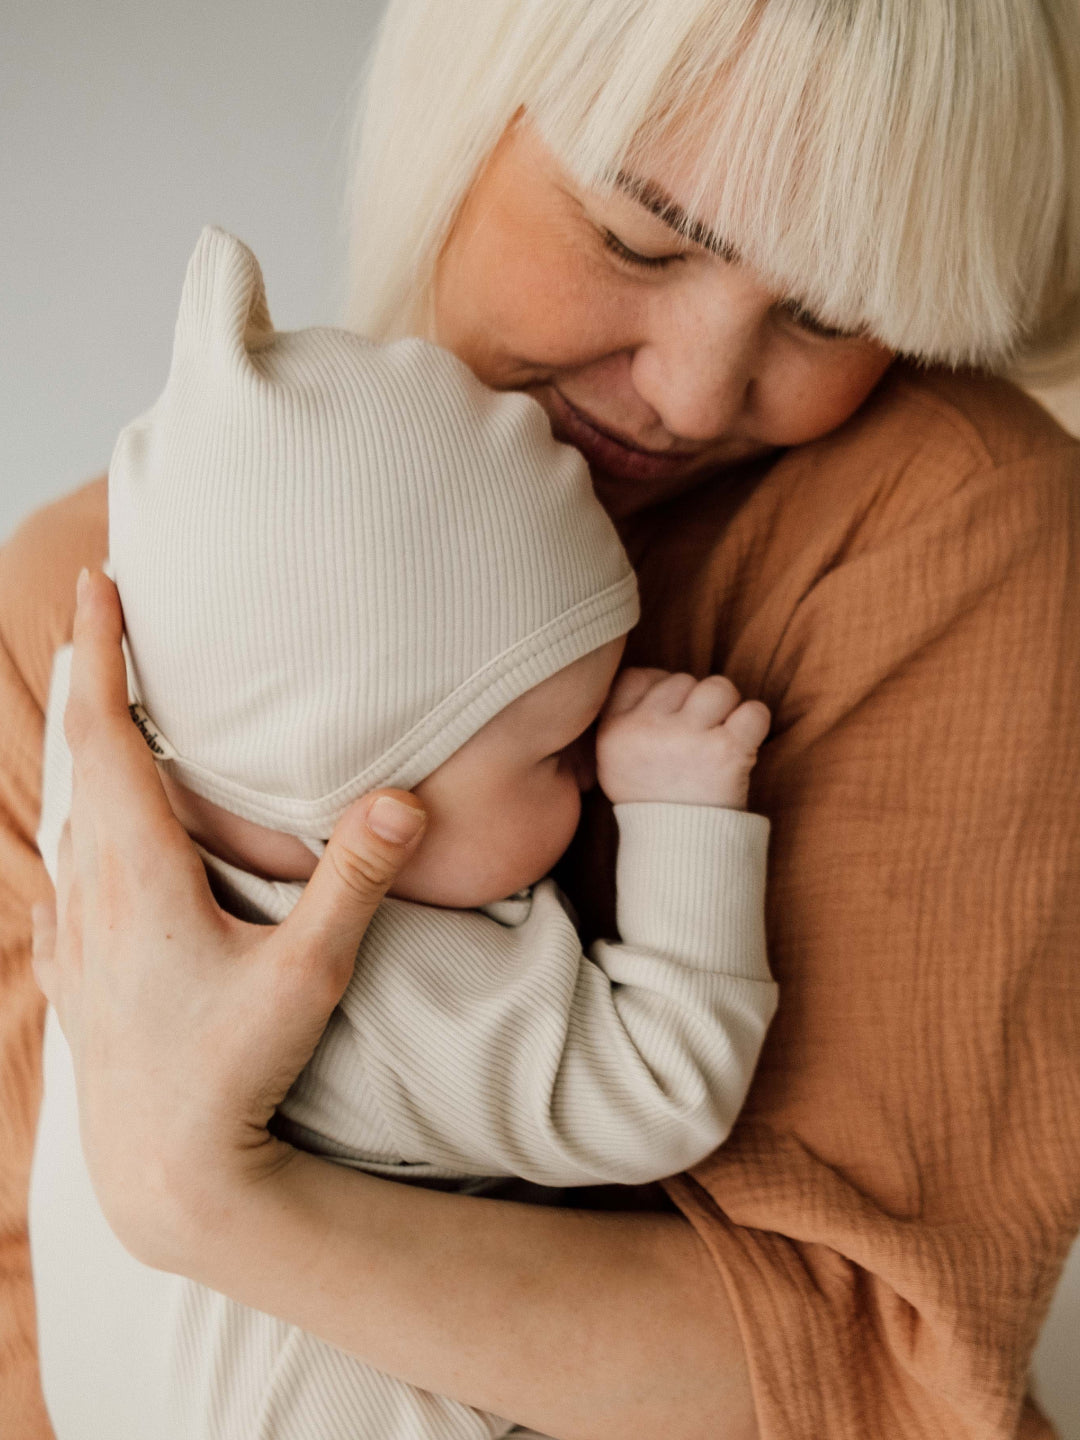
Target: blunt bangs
x,y
900,173
903,167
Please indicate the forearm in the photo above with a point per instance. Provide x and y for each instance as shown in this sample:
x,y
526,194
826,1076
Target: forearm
x,y
583,1325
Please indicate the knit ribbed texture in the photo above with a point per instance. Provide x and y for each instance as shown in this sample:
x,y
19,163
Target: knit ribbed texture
x,y
470,1046
466,1045
486,1044
891,1212
243,1375
339,560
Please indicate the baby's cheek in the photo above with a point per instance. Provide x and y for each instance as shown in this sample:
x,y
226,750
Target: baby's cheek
x,y
536,826
557,817
490,840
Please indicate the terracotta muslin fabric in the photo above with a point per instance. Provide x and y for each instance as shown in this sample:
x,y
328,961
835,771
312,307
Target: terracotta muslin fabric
x,y
892,1209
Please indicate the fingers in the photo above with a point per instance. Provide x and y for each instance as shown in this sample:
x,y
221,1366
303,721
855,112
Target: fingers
x,y
712,700
668,695
370,844
749,723
628,689
64,871
715,700
115,774
98,692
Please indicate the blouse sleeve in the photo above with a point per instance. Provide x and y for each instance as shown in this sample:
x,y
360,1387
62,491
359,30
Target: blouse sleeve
x,y
893,1209
38,566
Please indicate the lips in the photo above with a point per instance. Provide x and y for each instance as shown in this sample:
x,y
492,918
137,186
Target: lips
x,y
615,457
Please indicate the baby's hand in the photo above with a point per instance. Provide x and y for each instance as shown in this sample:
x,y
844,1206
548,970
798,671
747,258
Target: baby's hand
x,y
669,737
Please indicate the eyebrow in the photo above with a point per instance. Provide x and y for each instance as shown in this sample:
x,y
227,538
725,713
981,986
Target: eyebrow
x,y
659,203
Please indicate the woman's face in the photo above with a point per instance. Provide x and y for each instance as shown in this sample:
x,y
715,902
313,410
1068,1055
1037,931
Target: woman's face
x,y
657,357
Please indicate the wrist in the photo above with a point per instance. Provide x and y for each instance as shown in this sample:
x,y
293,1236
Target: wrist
x,y
724,794
690,882
198,1217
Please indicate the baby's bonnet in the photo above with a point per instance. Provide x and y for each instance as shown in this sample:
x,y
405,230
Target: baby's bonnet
x,y
338,560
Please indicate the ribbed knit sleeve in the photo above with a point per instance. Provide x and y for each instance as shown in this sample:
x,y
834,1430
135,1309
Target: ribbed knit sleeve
x,y
38,567
691,887
893,1209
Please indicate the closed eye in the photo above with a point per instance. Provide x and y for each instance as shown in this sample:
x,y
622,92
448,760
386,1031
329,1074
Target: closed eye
x,y
633,257
806,320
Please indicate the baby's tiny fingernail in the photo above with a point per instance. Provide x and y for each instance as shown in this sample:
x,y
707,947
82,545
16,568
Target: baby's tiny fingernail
x,y
81,584
394,821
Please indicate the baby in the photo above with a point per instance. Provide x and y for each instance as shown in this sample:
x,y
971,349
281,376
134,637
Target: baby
x,y
346,566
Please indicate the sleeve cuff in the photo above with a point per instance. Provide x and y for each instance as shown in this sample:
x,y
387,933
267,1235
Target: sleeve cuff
x,y
691,883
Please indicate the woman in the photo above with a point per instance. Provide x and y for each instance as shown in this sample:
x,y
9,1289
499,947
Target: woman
x,y
709,238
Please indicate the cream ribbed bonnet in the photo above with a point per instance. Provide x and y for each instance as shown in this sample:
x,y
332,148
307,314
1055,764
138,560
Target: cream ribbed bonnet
x,y
339,560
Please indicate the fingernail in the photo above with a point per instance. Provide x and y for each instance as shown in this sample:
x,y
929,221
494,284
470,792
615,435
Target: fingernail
x,y
80,585
394,821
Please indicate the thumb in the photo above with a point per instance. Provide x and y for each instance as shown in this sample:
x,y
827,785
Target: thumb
x,y
370,844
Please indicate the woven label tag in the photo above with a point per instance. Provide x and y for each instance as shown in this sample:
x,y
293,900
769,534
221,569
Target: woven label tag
x,y
151,734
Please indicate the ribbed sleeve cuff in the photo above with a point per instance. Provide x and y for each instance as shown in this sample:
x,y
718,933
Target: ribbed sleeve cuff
x,y
691,883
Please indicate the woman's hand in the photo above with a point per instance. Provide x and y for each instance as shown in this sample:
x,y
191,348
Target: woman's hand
x,y
186,1025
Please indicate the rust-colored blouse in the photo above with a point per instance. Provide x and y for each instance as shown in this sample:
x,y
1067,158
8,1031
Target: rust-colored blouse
x,y
893,1209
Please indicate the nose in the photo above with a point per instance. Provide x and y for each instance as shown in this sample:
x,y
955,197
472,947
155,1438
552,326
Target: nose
x,y
696,366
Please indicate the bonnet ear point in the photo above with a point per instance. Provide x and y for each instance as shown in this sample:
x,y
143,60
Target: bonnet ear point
x,y
223,301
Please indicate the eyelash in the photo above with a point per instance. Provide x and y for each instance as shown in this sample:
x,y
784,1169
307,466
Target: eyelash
x,y
631,257
811,325
803,319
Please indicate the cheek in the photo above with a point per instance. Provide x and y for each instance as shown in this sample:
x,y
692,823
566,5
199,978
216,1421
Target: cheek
x,y
490,836
802,394
540,823
566,811
517,296
517,314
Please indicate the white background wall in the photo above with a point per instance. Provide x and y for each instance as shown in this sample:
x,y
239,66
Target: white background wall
x,y
123,129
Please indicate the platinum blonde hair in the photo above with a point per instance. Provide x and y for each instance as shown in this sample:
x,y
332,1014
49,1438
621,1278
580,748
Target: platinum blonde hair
x,y
907,166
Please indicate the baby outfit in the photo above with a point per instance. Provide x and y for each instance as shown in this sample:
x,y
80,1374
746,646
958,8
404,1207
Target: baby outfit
x,y
337,562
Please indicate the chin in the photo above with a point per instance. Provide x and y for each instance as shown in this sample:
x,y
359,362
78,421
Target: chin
x,y
463,891
449,898
458,869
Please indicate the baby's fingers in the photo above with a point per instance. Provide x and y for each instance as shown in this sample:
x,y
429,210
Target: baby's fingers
x,y
712,700
749,723
629,689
